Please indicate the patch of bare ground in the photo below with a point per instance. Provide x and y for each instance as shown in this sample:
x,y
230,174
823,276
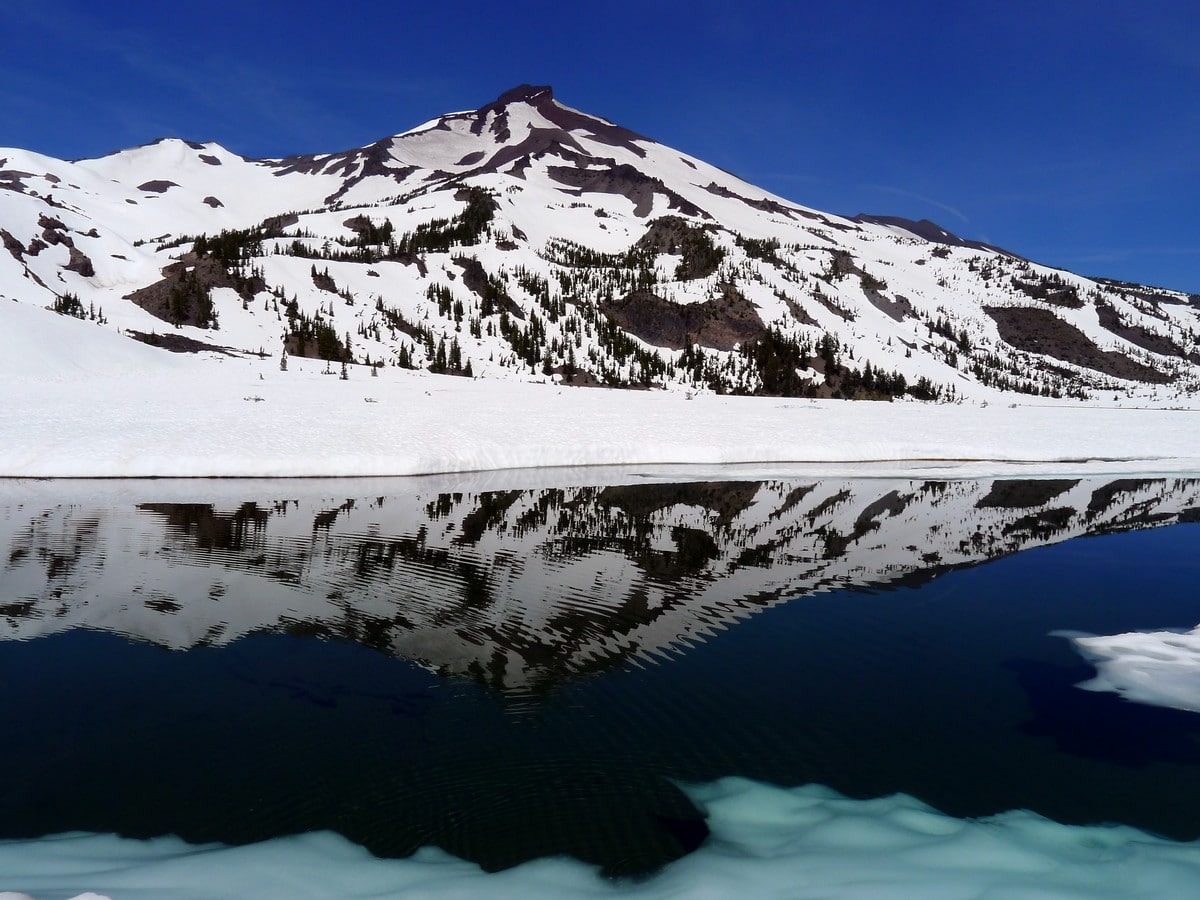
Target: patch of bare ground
x,y
763,205
176,343
720,323
1041,331
673,235
898,308
1139,336
626,181
14,247
12,180
577,377
54,233
181,295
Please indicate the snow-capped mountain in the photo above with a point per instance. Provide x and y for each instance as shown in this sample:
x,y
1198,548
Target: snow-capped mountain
x,y
527,240
520,588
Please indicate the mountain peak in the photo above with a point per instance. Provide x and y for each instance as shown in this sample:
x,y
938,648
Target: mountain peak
x,y
524,93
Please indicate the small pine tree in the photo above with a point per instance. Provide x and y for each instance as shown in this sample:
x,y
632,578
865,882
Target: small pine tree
x,y
283,361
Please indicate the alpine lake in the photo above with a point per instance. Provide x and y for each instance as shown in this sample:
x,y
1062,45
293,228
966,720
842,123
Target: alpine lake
x,y
538,666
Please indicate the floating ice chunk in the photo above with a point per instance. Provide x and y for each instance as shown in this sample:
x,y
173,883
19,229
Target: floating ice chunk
x,y
1160,668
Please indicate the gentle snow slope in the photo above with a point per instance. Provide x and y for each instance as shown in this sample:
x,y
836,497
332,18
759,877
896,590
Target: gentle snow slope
x,y
81,401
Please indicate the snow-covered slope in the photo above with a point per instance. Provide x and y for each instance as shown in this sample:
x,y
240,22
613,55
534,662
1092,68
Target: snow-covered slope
x,y
529,241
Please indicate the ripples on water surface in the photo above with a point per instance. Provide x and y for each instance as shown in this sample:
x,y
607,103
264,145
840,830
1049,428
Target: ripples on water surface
x,y
510,674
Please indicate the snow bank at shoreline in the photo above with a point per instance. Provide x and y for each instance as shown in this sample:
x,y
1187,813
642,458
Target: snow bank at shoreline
x,y
114,408
766,842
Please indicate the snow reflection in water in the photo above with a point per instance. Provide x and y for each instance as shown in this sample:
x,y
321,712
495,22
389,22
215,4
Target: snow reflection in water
x,y
487,677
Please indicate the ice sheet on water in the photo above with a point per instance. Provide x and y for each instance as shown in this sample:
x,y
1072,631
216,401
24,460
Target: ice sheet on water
x,y
766,842
1160,668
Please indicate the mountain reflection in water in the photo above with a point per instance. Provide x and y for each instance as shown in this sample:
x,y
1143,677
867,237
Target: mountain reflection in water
x,y
535,719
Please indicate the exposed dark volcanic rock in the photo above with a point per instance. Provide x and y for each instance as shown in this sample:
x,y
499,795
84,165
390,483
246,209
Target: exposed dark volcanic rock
x,y
15,248
376,161
209,160
539,142
1111,320
54,233
541,98
157,186
180,296
213,202
12,180
353,166
931,232
46,223
764,205
720,323
176,343
79,263
1040,331
627,182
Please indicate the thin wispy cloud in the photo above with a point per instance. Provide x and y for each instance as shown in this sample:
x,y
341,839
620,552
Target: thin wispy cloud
x,y
229,92
912,195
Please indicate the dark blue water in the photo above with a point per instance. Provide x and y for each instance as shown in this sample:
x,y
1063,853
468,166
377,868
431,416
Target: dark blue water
x,y
942,680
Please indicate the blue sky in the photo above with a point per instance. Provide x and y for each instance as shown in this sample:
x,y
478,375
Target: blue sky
x,y
1065,131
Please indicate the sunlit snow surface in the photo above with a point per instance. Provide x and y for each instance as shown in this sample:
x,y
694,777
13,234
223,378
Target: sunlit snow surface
x,y
82,401
1160,668
766,842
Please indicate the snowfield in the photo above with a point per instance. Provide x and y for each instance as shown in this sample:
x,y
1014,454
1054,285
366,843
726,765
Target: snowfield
x,y
83,401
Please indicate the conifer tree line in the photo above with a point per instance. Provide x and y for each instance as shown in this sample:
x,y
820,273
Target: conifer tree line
x,y
554,319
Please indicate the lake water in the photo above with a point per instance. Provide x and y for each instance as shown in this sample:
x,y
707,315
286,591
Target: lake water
x,y
531,671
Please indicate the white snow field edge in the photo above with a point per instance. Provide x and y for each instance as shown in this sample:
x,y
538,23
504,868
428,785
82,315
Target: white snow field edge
x,y
766,842
82,401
